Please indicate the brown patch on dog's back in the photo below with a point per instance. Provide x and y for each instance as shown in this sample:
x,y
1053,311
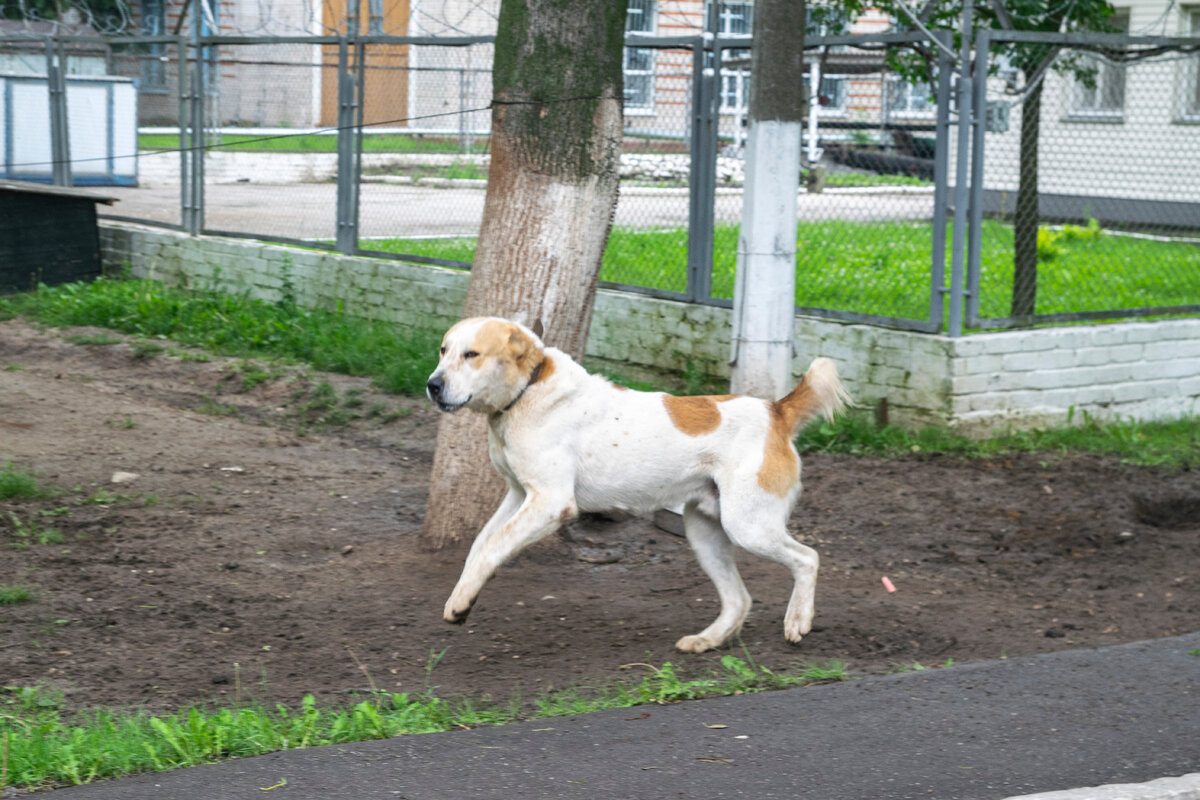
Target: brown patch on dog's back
x,y
780,466
695,416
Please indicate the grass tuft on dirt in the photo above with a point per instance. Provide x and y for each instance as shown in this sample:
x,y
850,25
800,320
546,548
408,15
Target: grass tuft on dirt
x,y
15,595
21,484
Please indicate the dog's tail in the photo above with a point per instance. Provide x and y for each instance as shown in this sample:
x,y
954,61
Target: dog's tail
x,y
819,393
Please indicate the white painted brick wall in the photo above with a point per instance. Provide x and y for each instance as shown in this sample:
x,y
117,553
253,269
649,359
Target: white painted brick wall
x,y
978,383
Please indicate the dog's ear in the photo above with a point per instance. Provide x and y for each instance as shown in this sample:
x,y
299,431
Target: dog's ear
x,y
536,327
518,343
525,352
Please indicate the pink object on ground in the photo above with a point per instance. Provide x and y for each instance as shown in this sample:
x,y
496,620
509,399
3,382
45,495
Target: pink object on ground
x,y
887,584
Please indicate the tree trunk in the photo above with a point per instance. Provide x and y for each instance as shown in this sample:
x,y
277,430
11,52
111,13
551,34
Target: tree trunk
x,y
551,195
765,287
1025,220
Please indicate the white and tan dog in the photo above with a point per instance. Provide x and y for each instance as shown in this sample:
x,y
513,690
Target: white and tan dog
x,y
566,441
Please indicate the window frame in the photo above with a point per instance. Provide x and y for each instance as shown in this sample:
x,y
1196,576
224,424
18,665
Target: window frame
x,y
647,11
1094,110
1189,83
898,86
153,70
843,95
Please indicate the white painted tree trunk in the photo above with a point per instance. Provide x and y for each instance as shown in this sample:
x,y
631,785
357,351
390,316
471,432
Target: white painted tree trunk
x,y
765,288
551,196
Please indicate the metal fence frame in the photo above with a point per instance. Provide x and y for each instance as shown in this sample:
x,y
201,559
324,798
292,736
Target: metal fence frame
x,y
964,271
983,48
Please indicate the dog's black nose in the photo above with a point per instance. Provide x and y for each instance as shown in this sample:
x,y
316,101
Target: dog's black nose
x,y
434,387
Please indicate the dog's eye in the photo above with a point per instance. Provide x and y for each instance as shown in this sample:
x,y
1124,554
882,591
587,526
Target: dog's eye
x,y
470,354
443,350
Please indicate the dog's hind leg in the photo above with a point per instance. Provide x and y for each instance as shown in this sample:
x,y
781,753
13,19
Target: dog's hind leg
x,y
715,554
762,530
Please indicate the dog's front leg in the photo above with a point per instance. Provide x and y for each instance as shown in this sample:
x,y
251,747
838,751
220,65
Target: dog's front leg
x,y
538,517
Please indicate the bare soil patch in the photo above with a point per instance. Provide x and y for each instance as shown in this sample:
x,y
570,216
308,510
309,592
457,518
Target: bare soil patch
x,y
263,554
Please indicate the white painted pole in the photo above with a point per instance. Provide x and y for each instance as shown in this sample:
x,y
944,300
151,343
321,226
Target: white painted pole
x,y
814,103
765,291
764,298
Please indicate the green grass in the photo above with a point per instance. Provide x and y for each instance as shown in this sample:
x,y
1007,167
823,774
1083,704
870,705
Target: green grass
x,y
236,325
315,143
1173,444
94,340
469,170
15,595
215,408
856,179
883,267
24,533
47,747
21,484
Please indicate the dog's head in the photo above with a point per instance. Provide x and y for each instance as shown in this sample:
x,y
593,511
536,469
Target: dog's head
x,y
486,364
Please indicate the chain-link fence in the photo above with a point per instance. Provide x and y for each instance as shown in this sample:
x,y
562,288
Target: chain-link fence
x,y
1089,187
424,147
379,145
871,231
153,161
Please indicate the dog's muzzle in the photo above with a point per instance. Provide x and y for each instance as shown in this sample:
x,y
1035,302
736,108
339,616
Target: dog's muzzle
x,y
435,388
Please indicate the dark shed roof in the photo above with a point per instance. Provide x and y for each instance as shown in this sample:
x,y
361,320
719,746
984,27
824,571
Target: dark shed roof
x,y
57,191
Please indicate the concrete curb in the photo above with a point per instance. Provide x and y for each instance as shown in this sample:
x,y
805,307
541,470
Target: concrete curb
x,y
1185,787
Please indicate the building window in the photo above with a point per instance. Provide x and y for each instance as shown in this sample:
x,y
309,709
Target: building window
x,y
735,91
210,25
375,17
831,97
909,99
735,19
1190,107
639,61
1098,89
153,69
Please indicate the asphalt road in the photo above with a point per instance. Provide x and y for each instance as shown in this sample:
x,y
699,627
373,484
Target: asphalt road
x,y
308,210
1081,718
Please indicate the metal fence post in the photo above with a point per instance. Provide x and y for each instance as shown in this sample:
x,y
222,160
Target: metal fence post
x,y
975,232
464,137
941,186
702,179
360,111
56,84
183,89
196,148
961,179
347,236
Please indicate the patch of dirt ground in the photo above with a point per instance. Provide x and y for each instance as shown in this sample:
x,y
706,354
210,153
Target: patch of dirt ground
x,y
268,548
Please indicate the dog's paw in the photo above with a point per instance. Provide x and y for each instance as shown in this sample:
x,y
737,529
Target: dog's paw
x,y
795,631
456,616
695,644
797,623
